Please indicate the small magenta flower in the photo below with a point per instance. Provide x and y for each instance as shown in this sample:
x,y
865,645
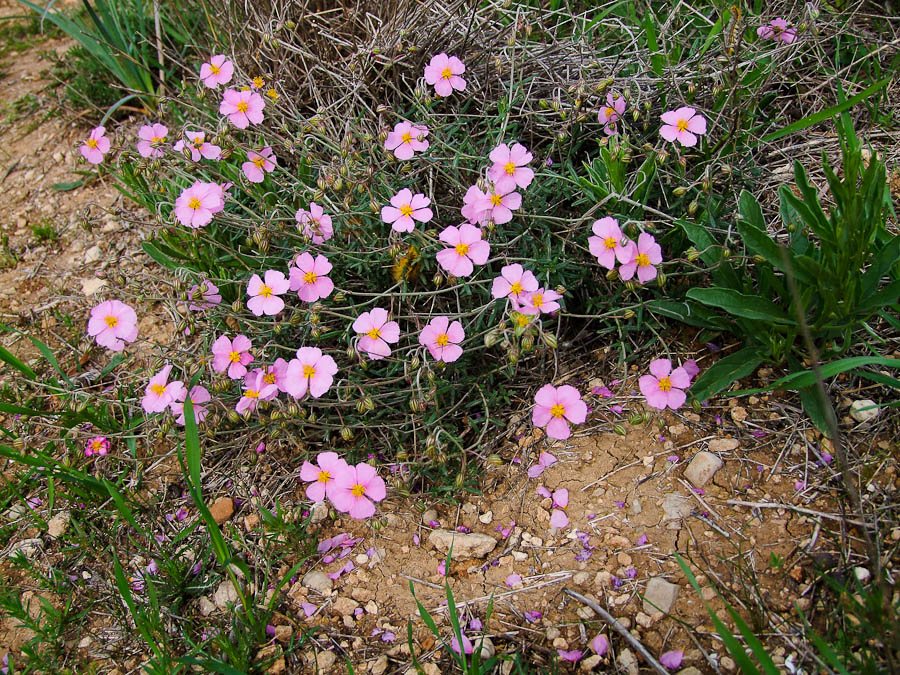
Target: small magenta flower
x,y
264,295
640,257
376,332
608,242
159,392
683,125
442,339
322,477
98,446
309,278
541,301
96,145
198,146
255,390
555,408
315,223
232,355
406,140
151,137
198,395
242,108
405,209
672,660
218,70
778,30
312,371
498,206
196,205
112,324
443,72
467,249
664,387
356,489
258,164
205,294
611,113
276,373
509,170
514,282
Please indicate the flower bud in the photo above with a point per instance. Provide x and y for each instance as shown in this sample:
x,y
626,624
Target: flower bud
x,y
628,314
695,404
339,297
438,279
293,409
361,406
513,356
415,362
276,415
550,340
233,416
612,275
527,343
631,285
636,419
692,254
346,433
619,429
370,404
692,207
237,306
680,190
491,338
351,353
660,279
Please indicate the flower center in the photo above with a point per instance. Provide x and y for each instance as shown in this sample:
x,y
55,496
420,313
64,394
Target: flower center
x,y
272,94
358,490
198,143
158,389
446,73
214,69
407,137
516,288
462,249
642,259
537,300
496,200
610,242
510,168
406,210
558,410
522,320
310,277
442,340
269,378
157,139
242,106
665,384
91,143
259,161
235,357
682,125
194,203
374,333
96,446
112,321
309,371
324,477
610,112
250,393
265,291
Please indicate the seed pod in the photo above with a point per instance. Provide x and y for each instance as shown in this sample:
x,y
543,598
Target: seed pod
x,y
692,254
293,409
628,314
660,279
692,207
491,338
346,433
415,362
636,419
237,306
233,416
550,340
680,190
370,404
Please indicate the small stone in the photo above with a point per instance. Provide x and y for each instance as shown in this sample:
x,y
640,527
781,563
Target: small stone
x,y
519,556
635,508
590,663
283,633
92,285
432,669
702,467
643,620
222,509
92,255
727,663
469,509
251,522
465,546
864,410
738,414
379,666
318,512
560,643
675,508
207,606
581,578
361,559
627,662
58,524
344,606
861,574
325,660
553,633
317,580
84,643
585,613
362,594
659,596
690,670
486,518
487,647
371,607
225,594
723,444
429,516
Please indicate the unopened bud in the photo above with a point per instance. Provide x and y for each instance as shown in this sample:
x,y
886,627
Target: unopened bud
x,y
692,207
692,254
237,306
660,279
550,340
612,275
415,362
346,433
491,338
628,314
527,343
680,190
233,416
636,419
619,429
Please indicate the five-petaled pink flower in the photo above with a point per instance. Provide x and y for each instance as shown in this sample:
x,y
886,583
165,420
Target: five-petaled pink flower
x,y
555,408
466,247
312,371
444,73
356,489
640,257
264,295
376,332
98,446
196,205
151,137
498,206
405,209
276,374
514,282
509,170
683,125
231,355
473,201
242,108
112,324
541,301
198,395
96,145
308,277
664,387
159,392
198,146
322,477
258,164
608,242
442,339
778,30
218,70
256,389
315,223
406,139
611,113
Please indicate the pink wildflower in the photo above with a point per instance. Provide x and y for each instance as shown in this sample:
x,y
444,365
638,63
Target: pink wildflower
x,y
640,257
264,295
672,660
311,372
255,390
778,30
258,164
198,395
683,125
514,580
206,294
600,644
242,108
498,205
559,519
541,301
444,73
405,209
572,656
197,205
231,355
218,70
406,139
664,387
467,247
442,339
544,460
514,282
555,408
322,477
98,446
112,324
151,137
198,146
315,223
611,113
308,277
473,201
159,393
96,145
509,170
608,242
376,332
467,646
276,374
356,489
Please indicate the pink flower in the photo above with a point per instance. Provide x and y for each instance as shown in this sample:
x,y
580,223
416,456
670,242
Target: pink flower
x,y
778,30
664,387
444,73
197,205
406,208
218,70
311,372
472,203
255,390
467,247
151,137
612,113
600,644
514,283
467,646
242,108
691,368
509,170
640,257
258,164
406,139
206,294
558,519
498,205
315,223
96,145
608,242
355,490
572,656
376,332
544,460
264,295
561,498
198,146
541,301
98,446
442,339
276,374
555,408
198,395
232,356
514,580
323,476
112,324
672,660
308,277
683,125
160,393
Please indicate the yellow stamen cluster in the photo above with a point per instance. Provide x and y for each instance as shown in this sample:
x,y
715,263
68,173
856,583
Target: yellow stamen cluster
x,y
158,389
665,384
358,490
374,333
309,371
310,277
406,210
442,340
558,410
642,259
234,357
265,291
194,203
242,106
111,321
462,249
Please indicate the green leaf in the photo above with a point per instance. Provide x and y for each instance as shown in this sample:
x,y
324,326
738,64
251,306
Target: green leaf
x,y
68,186
806,378
154,252
814,408
693,314
824,649
739,304
12,360
121,506
725,371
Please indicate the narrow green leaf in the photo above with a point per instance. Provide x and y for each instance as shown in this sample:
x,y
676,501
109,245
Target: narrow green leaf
x,y
68,186
12,360
739,304
721,374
